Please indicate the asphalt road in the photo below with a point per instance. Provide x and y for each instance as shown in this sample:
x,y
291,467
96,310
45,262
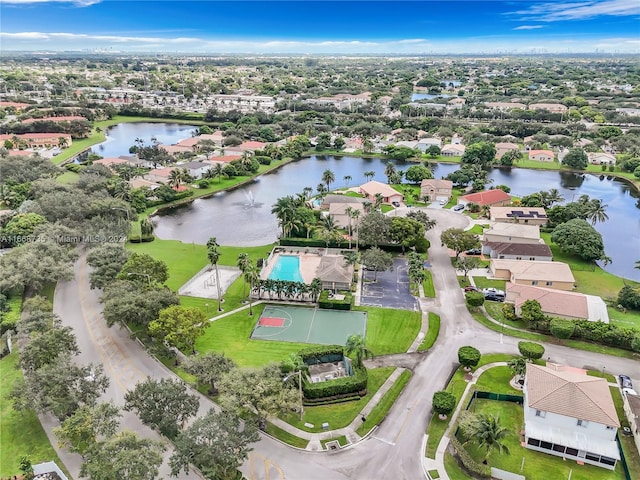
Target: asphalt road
x,y
393,452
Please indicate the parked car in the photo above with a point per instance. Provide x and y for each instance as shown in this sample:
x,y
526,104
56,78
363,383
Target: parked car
x,y
493,294
494,298
473,251
395,204
443,202
625,381
458,207
471,288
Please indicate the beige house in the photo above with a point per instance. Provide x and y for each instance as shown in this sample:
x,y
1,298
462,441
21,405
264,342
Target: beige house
x,y
570,414
632,410
370,189
549,107
159,175
436,189
512,233
536,252
505,105
339,213
559,303
601,158
541,155
522,215
335,273
504,147
452,150
555,275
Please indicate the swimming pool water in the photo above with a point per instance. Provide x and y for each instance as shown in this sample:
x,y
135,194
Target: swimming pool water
x,y
287,267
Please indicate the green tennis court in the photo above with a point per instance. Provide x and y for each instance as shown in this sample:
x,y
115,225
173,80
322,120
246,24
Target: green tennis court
x,y
308,325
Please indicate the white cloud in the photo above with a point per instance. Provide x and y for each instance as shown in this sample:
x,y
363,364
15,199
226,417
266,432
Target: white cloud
x,y
528,27
581,10
79,3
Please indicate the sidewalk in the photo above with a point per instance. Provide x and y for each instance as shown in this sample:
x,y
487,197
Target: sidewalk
x,y
350,430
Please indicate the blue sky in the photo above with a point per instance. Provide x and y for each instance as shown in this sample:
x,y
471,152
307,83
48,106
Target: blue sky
x,y
322,27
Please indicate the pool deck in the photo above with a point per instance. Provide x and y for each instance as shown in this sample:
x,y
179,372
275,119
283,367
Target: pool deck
x,y
309,263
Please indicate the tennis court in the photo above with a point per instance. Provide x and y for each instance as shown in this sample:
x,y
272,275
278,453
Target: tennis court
x,y
308,325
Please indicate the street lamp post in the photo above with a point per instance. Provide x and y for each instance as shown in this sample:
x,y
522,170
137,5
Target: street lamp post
x,y
299,374
142,275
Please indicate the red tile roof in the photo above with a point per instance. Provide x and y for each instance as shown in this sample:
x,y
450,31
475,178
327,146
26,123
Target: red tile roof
x,y
251,146
487,197
224,158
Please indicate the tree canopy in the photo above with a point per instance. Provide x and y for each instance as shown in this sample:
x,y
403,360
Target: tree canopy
x,y
579,238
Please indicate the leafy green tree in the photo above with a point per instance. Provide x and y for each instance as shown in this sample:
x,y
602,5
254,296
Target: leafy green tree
x,y
466,264
377,260
217,444
469,356
518,366
21,227
209,368
530,350
576,158
45,347
629,297
259,392
510,157
338,143
406,232
356,345
164,404
561,328
213,254
433,151
374,229
26,467
459,240
635,343
443,403
243,264
106,261
323,142
143,269
481,154
124,305
417,173
578,238
179,326
87,426
124,455
423,218
474,299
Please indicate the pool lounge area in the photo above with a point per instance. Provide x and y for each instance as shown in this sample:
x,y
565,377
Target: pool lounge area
x,y
291,265
286,267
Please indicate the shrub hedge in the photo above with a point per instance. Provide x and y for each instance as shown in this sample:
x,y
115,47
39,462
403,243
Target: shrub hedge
x,y
597,332
340,386
469,463
141,239
332,304
319,351
347,397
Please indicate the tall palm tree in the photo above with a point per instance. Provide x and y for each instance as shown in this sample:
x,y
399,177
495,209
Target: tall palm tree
x,y
355,215
554,196
175,178
315,288
378,199
347,179
367,146
284,210
349,212
369,175
322,190
328,229
356,345
489,434
328,177
218,171
252,277
389,171
243,263
213,254
597,211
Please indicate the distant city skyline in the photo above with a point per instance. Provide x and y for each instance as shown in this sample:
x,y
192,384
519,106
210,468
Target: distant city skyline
x,y
321,27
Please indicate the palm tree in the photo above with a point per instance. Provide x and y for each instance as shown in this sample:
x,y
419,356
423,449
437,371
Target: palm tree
x,y
378,199
315,288
347,179
322,190
213,254
349,212
328,229
369,175
596,211
367,146
354,216
243,263
518,366
328,177
554,196
489,434
218,171
284,210
252,277
356,344
390,171
175,178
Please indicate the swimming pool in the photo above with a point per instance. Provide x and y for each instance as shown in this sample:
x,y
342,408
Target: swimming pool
x,y
287,267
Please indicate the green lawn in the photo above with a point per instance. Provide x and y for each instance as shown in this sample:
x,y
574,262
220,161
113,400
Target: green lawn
x,y
286,437
67,178
484,282
537,465
628,445
231,336
432,334
497,380
427,285
389,330
478,229
21,433
453,469
380,411
340,415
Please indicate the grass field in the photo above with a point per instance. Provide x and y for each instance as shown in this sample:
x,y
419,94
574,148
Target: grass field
x,y
340,415
21,433
432,334
497,380
537,465
389,330
427,285
484,282
286,437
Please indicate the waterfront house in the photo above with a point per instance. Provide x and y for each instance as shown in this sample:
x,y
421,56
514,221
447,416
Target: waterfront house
x,y
523,215
435,190
389,195
541,155
486,197
538,274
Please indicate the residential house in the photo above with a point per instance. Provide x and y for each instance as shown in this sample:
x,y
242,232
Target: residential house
x,y
370,189
549,107
486,197
452,150
48,471
504,106
141,182
538,274
541,155
632,411
571,415
536,252
216,137
332,198
456,139
17,106
526,215
339,213
335,273
512,233
195,169
38,140
160,175
224,159
244,147
504,147
601,158
111,162
424,143
436,190
409,144
176,149
559,303
352,145
68,118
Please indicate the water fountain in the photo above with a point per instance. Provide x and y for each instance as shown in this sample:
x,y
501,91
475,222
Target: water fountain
x,y
251,201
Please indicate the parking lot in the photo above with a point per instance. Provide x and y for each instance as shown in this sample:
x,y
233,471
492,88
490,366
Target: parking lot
x,y
391,290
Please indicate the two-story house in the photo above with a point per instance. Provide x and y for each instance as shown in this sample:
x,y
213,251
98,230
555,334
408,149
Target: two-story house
x,y
435,190
571,415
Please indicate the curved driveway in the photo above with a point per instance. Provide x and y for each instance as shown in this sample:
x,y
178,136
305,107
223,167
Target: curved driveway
x,y
394,451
